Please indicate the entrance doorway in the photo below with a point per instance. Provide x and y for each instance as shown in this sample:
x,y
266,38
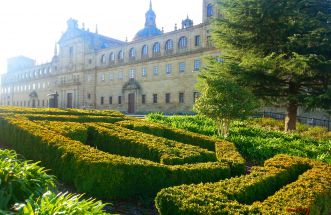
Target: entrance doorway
x,y
131,103
69,100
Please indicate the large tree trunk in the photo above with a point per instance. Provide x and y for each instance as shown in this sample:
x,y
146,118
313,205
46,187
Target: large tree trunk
x,y
291,116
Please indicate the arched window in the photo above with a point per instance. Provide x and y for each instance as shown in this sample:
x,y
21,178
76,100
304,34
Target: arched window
x,y
182,43
169,45
120,55
210,10
156,47
112,57
144,50
132,53
103,58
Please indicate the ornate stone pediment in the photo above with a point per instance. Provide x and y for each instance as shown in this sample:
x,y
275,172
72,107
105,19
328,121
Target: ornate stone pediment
x,y
132,84
33,94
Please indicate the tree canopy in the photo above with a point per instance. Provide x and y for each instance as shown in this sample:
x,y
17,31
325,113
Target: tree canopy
x,y
222,99
281,50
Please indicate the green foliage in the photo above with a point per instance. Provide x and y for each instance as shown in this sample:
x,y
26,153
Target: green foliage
x,y
118,140
305,131
98,173
222,99
62,203
279,50
257,144
225,151
272,188
20,179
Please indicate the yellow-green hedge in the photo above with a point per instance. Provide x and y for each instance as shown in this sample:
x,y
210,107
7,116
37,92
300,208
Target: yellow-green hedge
x,y
284,185
98,173
56,111
225,151
122,141
73,118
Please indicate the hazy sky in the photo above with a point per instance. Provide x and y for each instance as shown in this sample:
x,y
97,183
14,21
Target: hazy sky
x,y
32,27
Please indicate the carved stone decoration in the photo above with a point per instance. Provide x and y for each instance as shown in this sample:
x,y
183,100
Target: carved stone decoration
x,y
132,84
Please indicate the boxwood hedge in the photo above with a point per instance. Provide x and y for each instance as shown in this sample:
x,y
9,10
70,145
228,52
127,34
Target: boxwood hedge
x,y
96,172
284,185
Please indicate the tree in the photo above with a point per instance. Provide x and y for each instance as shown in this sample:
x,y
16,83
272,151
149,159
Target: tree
x,y
222,99
283,50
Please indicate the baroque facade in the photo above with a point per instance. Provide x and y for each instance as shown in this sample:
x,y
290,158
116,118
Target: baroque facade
x,y
157,71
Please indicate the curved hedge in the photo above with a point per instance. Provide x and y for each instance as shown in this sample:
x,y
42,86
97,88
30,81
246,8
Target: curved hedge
x,y
284,185
96,172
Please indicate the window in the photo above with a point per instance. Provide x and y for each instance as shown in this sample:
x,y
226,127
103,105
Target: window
x,y
168,69
181,67
110,100
197,64
132,73
143,99
197,40
89,96
120,100
103,59
90,61
111,76
102,100
120,75
156,70
182,44
156,47
102,76
144,51
154,98
210,10
132,53
143,72
181,97
167,98
71,51
89,78
169,45
195,96
120,55
111,57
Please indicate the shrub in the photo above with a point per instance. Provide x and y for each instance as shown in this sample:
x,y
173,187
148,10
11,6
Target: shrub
x,y
225,151
122,141
255,193
20,179
98,173
62,203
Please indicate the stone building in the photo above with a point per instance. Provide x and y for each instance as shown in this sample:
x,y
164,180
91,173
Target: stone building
x,y
157,71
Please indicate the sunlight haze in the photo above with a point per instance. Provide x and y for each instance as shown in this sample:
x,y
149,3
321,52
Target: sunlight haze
x,y
32,27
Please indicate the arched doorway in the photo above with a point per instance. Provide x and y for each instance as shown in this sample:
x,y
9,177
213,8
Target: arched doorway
x,y
33,97
131,89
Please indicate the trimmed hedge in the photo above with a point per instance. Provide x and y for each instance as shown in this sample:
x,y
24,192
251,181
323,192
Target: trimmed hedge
x,y
125,142
72,118
73,130
284,185
98,173
122,141
225,151
56,111
170,133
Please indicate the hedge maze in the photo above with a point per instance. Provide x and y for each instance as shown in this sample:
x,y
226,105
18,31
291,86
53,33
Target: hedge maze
x,y
109,155
105,158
